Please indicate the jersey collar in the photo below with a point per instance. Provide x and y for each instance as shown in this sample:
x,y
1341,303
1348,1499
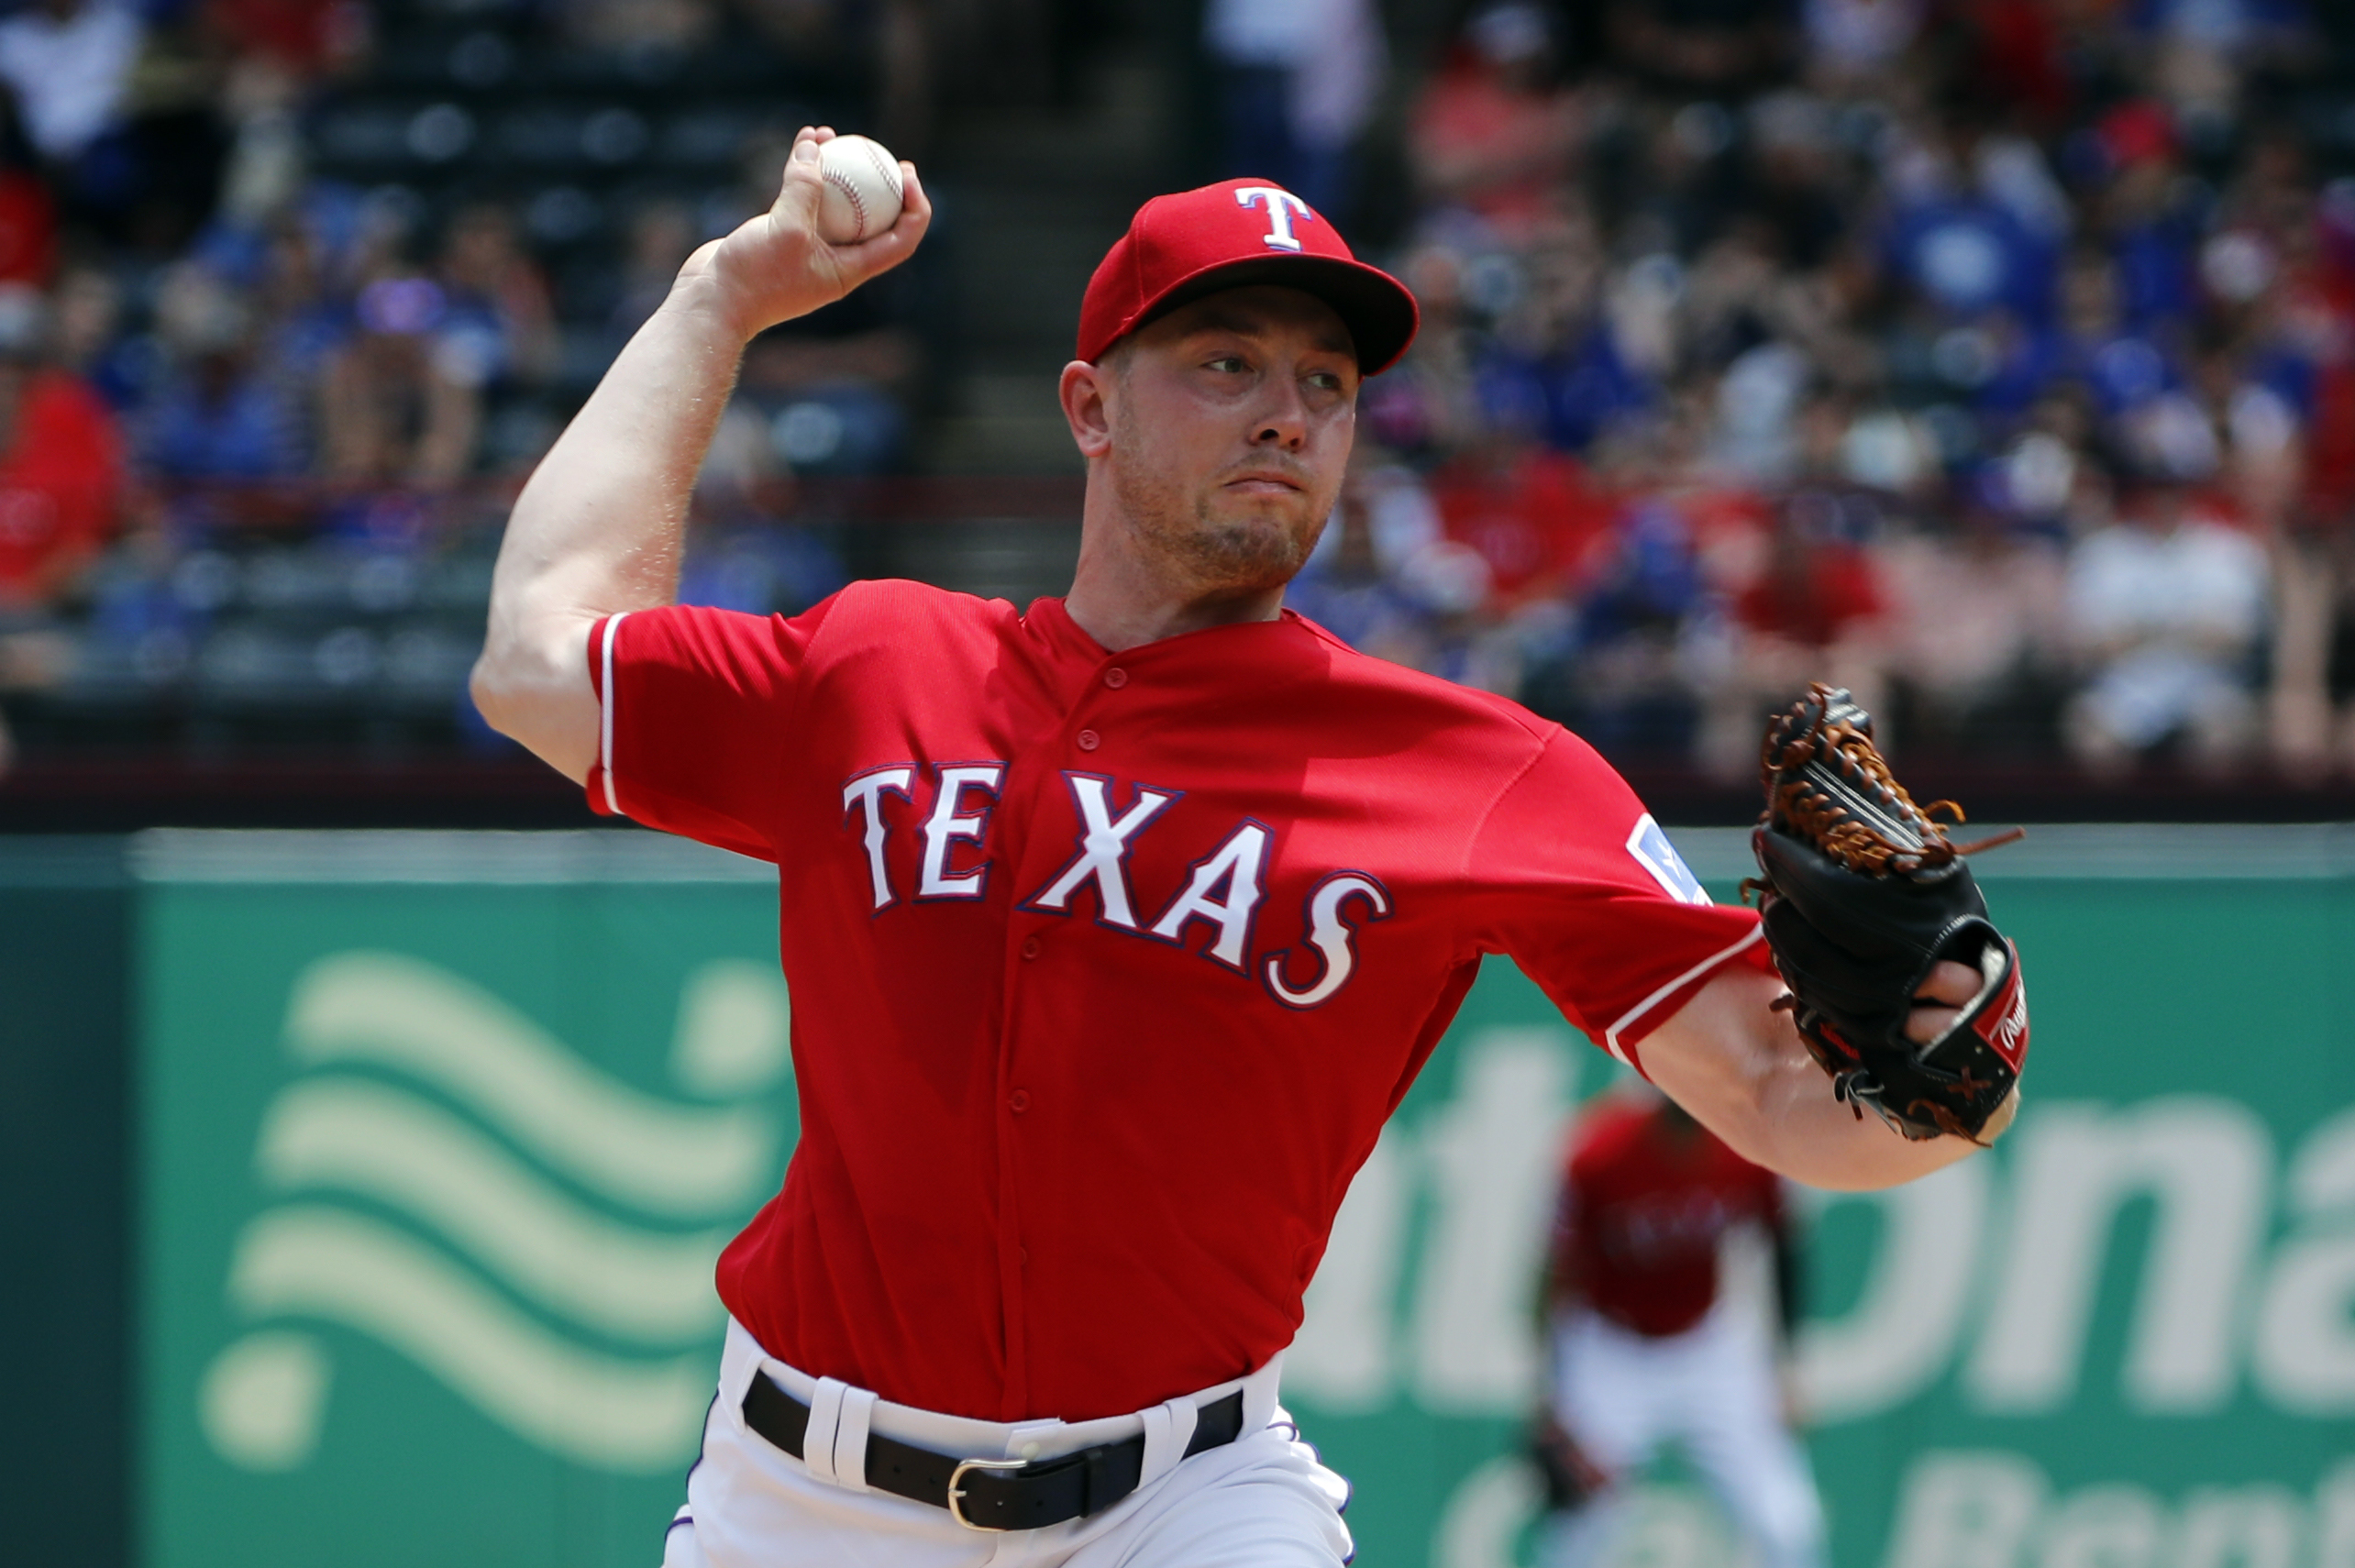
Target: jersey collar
x,y
1066,639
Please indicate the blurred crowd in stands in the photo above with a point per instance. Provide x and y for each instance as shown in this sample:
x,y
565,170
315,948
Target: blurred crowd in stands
x,y
1995,358
292,292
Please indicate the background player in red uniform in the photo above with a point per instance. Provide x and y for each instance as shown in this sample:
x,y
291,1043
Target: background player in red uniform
x,y
1115,928
1646,1348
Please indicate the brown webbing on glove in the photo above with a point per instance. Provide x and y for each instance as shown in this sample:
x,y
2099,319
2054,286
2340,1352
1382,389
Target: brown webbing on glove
x,y
1816,815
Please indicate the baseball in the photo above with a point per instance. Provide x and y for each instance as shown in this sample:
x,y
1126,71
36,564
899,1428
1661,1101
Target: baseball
x,y
863,190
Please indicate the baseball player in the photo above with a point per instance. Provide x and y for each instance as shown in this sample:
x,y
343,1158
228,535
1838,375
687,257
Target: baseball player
x,y
1115,927
1642,1348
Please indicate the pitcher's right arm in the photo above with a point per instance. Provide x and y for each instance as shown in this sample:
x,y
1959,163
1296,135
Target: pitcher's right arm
x,y
598,528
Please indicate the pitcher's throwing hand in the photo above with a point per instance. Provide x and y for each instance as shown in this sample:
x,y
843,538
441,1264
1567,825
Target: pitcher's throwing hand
x,y
778,265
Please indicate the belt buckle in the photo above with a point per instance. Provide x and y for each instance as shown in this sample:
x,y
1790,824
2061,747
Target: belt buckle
x,y
955,1495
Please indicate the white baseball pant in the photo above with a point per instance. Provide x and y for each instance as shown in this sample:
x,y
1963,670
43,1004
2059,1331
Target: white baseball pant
x,y
1711,1390
1263,1500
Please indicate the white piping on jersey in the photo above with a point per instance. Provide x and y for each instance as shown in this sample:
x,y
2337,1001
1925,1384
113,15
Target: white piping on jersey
x,y
1611,1035
605,713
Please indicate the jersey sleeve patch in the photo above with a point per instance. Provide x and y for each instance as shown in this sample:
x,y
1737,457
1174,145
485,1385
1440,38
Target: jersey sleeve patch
x,y
1650,846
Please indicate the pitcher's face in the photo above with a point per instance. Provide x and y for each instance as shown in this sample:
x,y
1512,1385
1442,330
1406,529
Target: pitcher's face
x,y
1230,425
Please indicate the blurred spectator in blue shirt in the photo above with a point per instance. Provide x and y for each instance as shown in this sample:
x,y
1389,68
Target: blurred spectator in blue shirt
x,y
221,411
1296,80
1965,254
2122,366
1563,371
2203,51
1346,588
1853,44
69,63
497,295
2151,222
1633,678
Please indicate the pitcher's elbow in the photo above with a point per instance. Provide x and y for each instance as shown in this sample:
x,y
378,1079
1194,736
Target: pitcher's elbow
x,y
493,688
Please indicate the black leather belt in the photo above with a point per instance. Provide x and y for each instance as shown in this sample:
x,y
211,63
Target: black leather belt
x,y
994,1493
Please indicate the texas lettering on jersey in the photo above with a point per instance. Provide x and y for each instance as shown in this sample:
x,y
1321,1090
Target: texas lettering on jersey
x,y
1108,966
1222,892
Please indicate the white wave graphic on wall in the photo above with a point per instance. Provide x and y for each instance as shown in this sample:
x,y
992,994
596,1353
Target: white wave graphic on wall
x,y
387,1011
404,1152
485,1220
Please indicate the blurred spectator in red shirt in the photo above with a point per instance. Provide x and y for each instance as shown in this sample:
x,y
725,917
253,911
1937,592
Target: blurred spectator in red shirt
x,y
1530,511
61,467
1494,132
1980,629
305,38
1813,612
2015,51
61,486
27,215
1813,593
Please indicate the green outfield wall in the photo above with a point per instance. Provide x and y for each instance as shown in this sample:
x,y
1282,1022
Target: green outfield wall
x,y
65,1176
438,1135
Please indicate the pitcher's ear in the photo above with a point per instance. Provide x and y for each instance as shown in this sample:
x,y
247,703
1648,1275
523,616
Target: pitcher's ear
x,y
1085,391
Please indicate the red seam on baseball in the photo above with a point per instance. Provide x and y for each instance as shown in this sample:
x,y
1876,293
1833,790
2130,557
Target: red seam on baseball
x,y
886,170
857,208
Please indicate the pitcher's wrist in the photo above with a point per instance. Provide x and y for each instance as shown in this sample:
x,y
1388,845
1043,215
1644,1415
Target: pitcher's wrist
x,y
704,292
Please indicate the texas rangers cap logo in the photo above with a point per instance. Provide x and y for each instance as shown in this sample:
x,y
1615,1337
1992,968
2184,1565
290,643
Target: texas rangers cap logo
x,y
1232,235
1282,209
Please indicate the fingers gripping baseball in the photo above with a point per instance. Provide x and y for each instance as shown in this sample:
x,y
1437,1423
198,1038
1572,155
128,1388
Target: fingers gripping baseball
x,y
1941,1000
1937,1008
778,265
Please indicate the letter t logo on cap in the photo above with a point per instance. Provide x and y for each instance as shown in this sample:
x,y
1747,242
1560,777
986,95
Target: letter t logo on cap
x,y
1235,233
1280,206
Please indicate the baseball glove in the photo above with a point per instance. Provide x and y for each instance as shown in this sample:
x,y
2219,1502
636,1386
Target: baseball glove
x,y
1862,892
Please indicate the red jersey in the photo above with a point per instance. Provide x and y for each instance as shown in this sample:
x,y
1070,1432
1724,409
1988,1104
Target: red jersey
x,y
1107,968
1645,1205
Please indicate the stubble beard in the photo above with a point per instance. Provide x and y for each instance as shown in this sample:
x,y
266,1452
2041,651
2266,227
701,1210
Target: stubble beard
x,y
1209,554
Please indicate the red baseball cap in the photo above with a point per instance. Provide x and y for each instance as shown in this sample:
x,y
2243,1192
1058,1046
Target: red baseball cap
x,y
1227,236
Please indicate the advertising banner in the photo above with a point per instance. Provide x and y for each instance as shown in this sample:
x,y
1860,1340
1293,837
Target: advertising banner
x,y
441,1134
442,1138
2122,1339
